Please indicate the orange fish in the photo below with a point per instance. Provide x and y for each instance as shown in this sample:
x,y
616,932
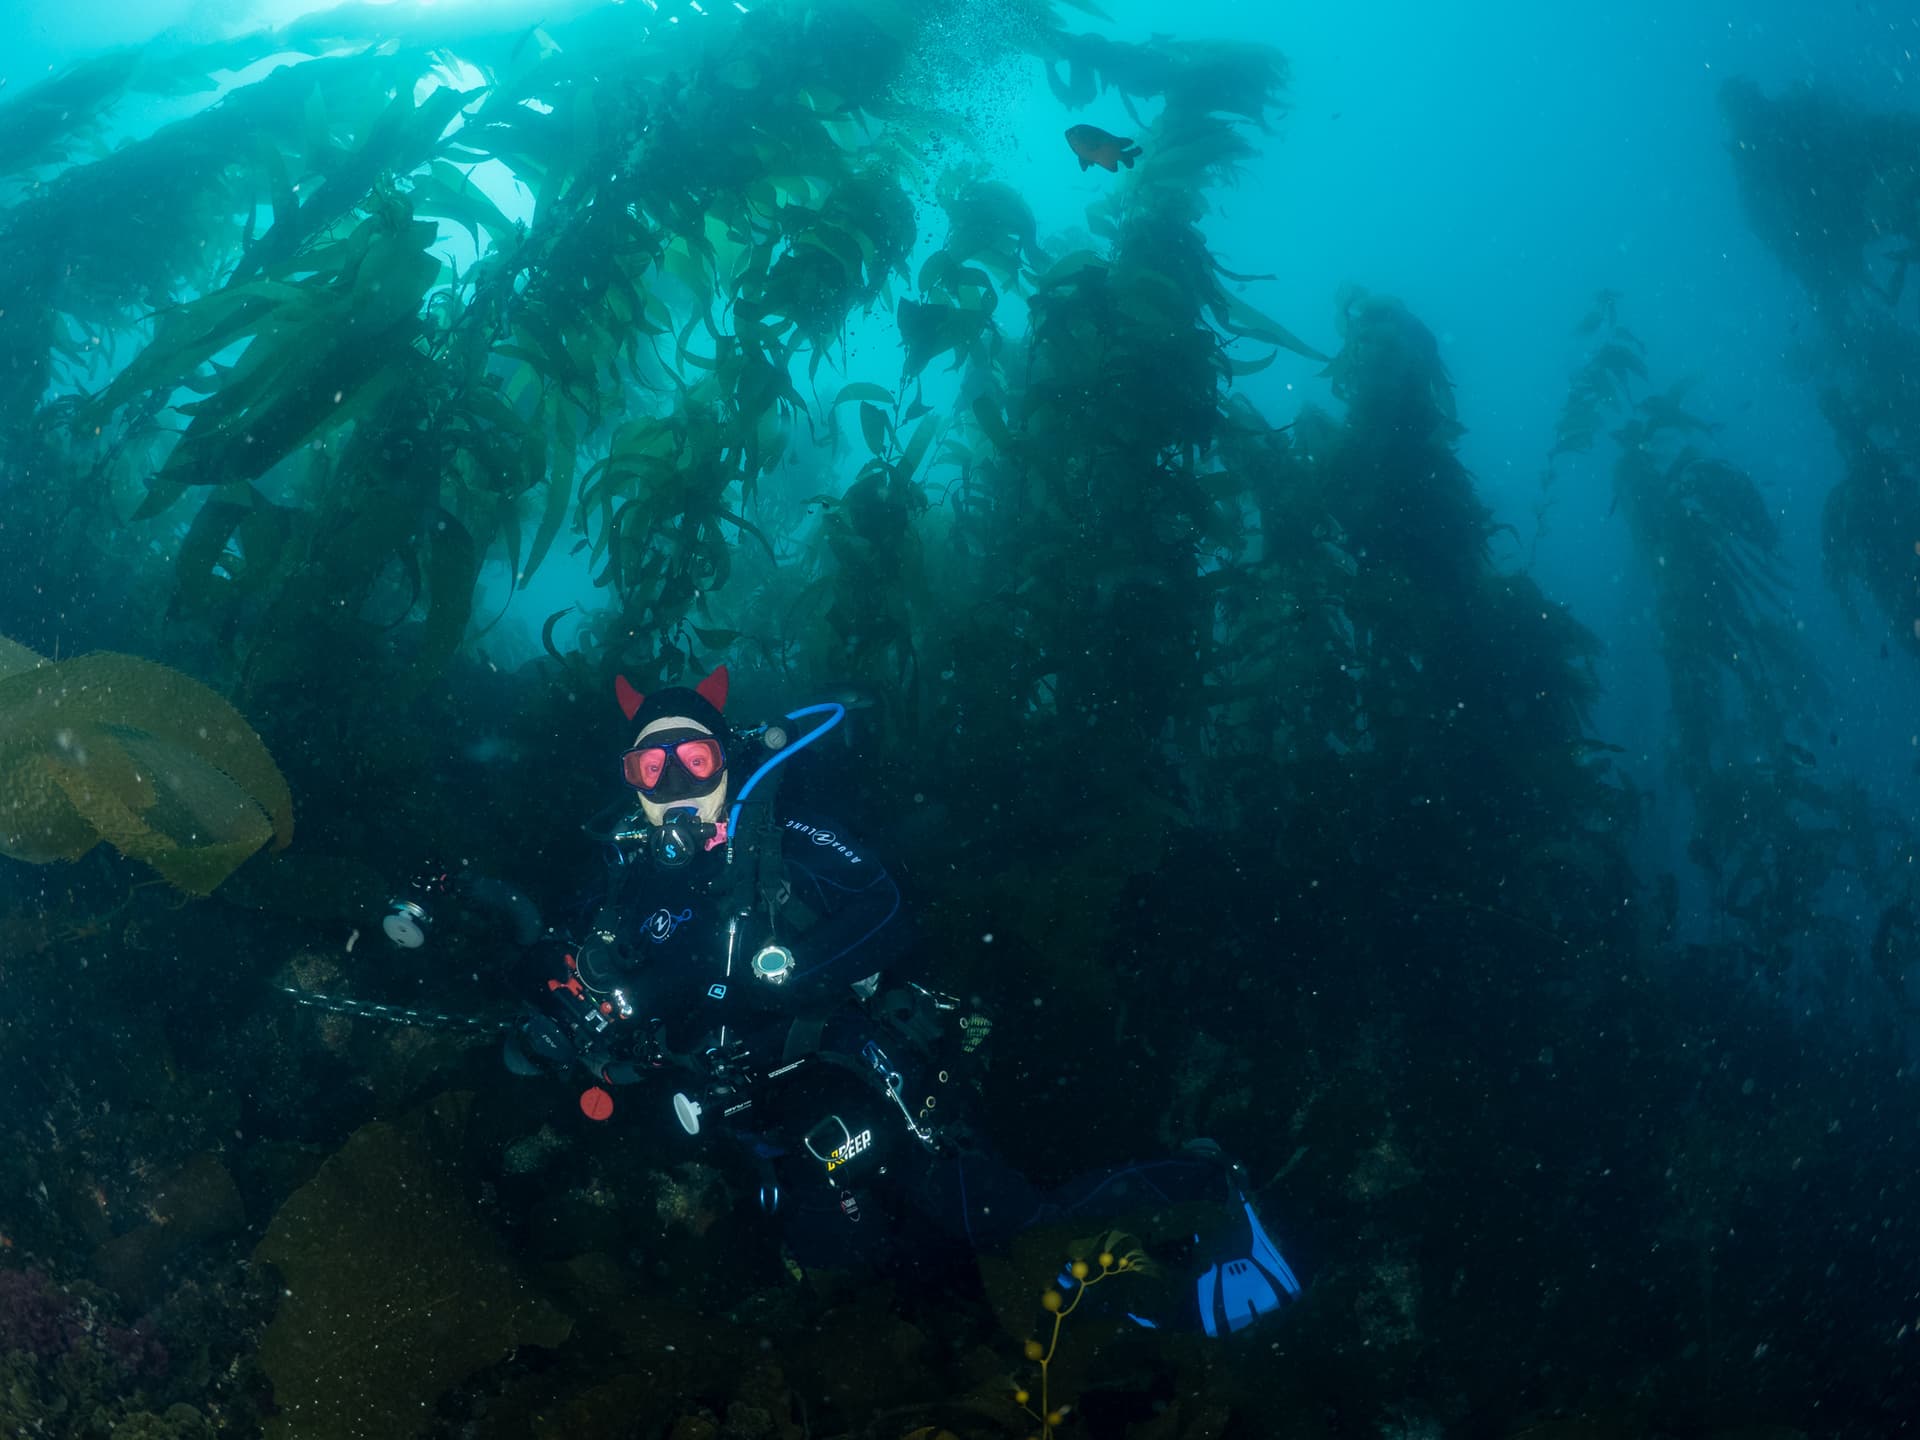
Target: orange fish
x,y
1095,146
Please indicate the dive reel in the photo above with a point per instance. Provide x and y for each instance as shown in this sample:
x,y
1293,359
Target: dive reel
x,y
409,916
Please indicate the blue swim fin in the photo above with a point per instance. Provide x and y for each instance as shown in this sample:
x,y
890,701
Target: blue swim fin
x,y
1215,1270
1237,1291
1245,1275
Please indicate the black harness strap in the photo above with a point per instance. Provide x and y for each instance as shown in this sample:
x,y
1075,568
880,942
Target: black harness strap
x,y
756,854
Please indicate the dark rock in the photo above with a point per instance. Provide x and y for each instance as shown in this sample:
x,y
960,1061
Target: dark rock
x,y
196,1204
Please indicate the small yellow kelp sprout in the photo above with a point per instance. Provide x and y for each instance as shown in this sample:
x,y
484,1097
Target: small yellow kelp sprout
x,y
116,748
1114,1254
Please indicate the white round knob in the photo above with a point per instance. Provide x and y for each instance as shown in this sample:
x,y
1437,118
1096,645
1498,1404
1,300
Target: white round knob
x,y
687,1111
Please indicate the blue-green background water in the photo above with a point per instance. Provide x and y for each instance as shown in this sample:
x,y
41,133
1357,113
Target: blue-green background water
x,y
1493,165
1678,1161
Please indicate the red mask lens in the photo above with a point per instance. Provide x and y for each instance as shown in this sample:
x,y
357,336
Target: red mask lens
x,y
642,767
701,757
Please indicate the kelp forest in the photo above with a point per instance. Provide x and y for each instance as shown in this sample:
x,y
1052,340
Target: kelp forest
x,y
1222,755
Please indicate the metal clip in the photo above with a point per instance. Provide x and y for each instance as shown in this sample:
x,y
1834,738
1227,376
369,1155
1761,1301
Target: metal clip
x,y
890,1079
941,1001
846,1140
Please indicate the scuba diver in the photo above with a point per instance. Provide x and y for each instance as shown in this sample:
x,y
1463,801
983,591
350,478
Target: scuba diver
x,y
757,973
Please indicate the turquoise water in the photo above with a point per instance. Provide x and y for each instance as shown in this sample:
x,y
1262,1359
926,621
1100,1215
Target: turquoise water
x,y
1398,659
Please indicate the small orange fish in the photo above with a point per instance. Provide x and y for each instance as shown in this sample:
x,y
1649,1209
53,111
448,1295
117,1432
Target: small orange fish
x,y
1095,146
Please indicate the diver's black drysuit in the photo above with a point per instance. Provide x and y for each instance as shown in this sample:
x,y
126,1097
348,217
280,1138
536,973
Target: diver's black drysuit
x,y
773,996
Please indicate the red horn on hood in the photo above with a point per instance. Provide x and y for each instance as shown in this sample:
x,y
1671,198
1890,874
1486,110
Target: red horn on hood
x,y
630,699
713,689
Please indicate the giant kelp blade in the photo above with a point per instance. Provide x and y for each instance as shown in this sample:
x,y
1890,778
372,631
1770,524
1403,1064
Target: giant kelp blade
x,y
15,657
446,191
387,1306
917,447
190,335
401,140
116,748
140,696
875,427
311,392
196,826
1242,319
994,424
986,216
1237,367
933,330
562,457
863,390
453,566
208,547
35,123
1069,267
313,365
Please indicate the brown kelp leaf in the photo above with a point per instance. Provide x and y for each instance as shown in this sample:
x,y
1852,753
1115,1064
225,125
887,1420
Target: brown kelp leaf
x,y
562,456
233,546
190,335
449,192
917,448
1242,319
875,427
15,657
394,1289
933,330
453,567
116,748
38,824
196,866
863,390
